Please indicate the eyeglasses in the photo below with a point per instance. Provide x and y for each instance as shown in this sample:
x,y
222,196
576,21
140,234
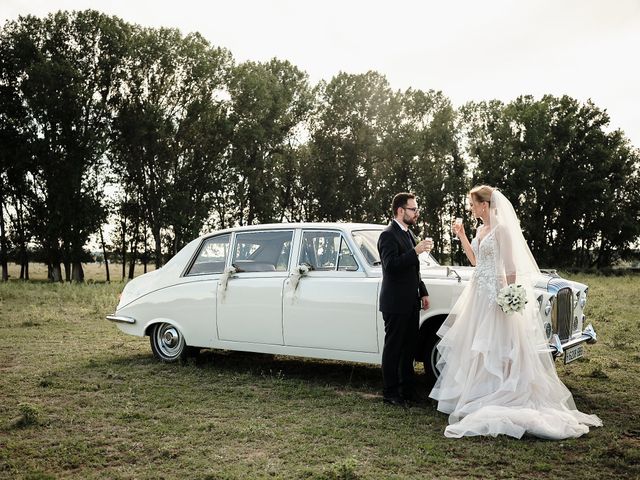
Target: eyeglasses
x,y
413,209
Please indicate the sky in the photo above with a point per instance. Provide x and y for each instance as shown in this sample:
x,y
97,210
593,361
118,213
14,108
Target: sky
x,y
471,50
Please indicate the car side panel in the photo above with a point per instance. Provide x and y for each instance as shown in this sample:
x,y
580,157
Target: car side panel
x,y
189,306
332,310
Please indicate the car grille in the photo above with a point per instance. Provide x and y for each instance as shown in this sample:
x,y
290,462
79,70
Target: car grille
x,y
562,314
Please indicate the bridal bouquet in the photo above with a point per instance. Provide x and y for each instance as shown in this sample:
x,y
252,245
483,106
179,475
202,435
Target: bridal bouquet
x,y
512,298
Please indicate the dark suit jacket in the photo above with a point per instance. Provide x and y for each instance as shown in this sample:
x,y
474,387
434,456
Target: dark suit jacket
x,y
402,287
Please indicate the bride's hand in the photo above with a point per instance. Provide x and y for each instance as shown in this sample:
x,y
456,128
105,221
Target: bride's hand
x,y
458,229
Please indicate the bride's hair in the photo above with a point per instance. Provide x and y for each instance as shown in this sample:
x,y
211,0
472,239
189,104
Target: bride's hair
x,y
482,193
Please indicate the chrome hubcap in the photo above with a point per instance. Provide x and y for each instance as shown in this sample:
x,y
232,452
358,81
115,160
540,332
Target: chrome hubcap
x,y
435,356
169,340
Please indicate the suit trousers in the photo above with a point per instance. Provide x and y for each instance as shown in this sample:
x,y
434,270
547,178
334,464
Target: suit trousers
x,y
400,340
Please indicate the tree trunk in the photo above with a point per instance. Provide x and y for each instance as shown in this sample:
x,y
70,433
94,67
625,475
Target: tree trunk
x,y
132,261
145,255
123,224
55,273
3,241
24,255
250,201
104,255
77,273
24,271
175,241
67,271
24,262
133,257
158,246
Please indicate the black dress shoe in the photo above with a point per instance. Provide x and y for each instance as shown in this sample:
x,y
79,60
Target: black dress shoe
x,y
416,399
395,401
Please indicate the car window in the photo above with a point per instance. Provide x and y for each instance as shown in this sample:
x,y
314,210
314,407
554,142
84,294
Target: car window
x,y
266,251
212,256
346,260
326,251
367,241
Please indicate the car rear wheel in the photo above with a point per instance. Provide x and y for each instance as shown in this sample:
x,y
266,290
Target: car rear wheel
x,y
167,343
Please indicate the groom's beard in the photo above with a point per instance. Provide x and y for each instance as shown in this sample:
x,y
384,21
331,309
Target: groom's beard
x,y
409,220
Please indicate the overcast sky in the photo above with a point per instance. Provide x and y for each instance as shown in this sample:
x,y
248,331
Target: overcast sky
x,y
469,49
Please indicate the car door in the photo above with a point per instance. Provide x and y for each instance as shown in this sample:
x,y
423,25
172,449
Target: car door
x,y
333,306
249,307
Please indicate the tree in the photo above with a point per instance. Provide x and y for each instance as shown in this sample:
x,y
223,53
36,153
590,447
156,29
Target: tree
x,y
65,71
432,120
565,174
170,130
345,146
269,103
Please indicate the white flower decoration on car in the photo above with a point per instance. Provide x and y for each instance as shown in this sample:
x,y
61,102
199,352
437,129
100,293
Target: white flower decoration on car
x,y
224,279
299,272
512,298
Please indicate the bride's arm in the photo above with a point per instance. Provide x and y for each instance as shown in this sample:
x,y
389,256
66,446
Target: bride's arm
x,y
506,254
466,245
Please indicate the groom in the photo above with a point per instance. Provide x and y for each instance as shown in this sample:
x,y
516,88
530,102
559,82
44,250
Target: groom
x,y
401,296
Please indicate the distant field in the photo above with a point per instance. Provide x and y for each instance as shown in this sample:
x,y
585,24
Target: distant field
x,y
79,399
92,271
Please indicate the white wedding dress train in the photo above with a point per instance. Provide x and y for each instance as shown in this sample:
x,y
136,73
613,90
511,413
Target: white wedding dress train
x,y
496,377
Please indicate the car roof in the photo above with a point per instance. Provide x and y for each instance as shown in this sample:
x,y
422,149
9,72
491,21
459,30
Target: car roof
x,y
347,226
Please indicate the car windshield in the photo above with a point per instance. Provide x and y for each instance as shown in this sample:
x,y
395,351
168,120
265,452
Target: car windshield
x,y
367,242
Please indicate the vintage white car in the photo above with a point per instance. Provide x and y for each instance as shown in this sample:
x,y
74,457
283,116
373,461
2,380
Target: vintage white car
x,y
308,290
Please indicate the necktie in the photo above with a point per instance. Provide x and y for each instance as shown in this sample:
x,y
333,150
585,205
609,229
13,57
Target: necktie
x,y
411,242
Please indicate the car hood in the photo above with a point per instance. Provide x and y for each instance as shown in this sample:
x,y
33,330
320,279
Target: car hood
x,y
546,280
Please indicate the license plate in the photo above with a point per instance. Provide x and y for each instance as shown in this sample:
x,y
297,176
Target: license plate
x,y
573,353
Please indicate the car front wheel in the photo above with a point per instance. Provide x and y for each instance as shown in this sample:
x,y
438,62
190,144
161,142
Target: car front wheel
x,y
427,351
430,357
167,343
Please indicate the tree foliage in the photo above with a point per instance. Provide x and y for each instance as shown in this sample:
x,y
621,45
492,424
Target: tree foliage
x,y
162,135
62,72
570,179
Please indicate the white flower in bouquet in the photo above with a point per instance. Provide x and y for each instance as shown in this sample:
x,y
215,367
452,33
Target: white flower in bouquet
x,y
300,271
512,298
224,278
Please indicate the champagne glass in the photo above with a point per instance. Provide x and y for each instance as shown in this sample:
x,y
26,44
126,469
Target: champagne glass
x,y
458,221
430,240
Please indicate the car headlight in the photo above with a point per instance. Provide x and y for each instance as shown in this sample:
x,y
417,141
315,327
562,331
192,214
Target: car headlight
x,y
548,330
576,297
548,306
583,298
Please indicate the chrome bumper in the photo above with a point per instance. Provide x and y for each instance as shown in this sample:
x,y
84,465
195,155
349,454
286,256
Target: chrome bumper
x,y
121,319
588,335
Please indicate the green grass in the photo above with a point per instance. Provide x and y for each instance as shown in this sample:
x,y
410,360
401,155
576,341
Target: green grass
x,y
79,399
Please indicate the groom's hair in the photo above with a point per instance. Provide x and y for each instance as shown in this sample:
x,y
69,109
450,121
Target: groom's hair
x,y
400,200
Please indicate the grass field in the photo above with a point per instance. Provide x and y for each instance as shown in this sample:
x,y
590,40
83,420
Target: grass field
x,y
79,399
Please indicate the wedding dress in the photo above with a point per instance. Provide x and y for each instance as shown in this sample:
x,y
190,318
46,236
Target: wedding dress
x,y
497,375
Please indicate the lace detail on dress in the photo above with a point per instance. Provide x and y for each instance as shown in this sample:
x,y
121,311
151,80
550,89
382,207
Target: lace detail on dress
x,y
485,271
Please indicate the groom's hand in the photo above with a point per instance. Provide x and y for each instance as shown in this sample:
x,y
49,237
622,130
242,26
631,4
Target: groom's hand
x,y
424,246
425,302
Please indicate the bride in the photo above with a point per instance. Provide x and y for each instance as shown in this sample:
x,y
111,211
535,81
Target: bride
x,y
497,375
